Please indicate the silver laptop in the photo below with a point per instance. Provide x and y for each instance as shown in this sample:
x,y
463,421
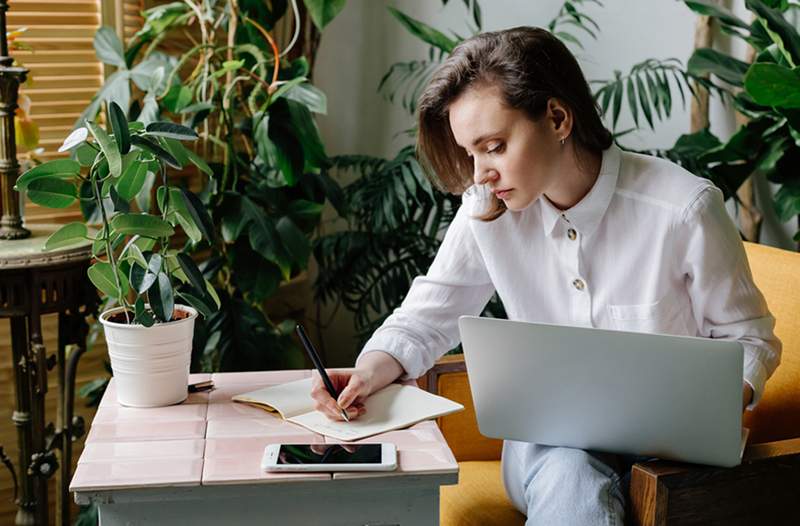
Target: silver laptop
x,y
672,397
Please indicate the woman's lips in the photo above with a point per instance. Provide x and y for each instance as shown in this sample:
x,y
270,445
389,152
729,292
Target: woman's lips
x,y
502,194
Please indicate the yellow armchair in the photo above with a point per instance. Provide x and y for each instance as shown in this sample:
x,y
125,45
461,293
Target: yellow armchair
x,y
764,489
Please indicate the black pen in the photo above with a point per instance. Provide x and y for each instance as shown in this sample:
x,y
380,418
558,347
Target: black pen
x,y
312,353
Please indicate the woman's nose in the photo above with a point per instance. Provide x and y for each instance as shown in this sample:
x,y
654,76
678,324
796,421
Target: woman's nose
x,y
484,174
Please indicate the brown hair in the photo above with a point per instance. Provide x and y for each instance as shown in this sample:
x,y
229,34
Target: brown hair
x,y
530,66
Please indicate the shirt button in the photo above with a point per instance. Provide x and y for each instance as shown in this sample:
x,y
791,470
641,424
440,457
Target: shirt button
x,y
572,234
578,284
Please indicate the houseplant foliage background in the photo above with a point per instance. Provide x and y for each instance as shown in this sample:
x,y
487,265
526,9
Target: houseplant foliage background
x,y
265,181
395,219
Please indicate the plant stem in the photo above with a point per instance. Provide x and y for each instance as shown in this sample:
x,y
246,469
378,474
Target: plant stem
x,y
110,250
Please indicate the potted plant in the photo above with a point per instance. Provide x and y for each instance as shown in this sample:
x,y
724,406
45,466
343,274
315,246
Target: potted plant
x,y
149,331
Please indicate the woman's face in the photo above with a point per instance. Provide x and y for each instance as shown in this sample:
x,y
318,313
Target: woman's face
x,y
517,158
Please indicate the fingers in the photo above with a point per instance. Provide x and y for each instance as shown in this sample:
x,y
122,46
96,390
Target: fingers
x,y
355,389
350,398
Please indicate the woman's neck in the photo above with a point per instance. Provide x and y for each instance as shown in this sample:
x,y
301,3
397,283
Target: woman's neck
x,y
578,173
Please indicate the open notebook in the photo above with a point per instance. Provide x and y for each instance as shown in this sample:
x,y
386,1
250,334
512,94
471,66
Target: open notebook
x,y
393,407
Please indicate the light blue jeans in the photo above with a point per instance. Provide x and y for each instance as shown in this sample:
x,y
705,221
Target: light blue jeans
x,y
561,485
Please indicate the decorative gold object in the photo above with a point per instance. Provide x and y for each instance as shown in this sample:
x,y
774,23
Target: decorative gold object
x,y
10,80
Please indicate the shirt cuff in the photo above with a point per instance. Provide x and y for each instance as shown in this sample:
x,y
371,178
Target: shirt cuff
x,y
755,374
398,345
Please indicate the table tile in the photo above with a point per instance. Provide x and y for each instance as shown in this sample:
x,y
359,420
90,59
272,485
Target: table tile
x,y
412,462
137,473
176,413
222,394
266,425
247,469
234,410
143,450
110,396
136,431
234,447
263,378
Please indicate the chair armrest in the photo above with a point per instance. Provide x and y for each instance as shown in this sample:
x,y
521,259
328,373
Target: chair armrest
x,y
450,363
763,489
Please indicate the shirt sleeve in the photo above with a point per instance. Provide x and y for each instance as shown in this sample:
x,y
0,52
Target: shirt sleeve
x,y
726,303
425,326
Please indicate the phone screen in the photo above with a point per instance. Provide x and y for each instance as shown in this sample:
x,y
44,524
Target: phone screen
x,y
329,454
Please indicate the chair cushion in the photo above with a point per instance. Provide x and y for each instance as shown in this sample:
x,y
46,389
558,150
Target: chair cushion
x,y
777,274
461,428
479,498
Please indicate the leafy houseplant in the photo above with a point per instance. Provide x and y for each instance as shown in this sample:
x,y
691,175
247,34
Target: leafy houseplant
x,y
134,263
766,92
266,180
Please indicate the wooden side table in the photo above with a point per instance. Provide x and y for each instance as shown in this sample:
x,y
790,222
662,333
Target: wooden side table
x,y
198,463
34,283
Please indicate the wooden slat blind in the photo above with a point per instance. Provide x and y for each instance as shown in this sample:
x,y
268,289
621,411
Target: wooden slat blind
x,y
65,73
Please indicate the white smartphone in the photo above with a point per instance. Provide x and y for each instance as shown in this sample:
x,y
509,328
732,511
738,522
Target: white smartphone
x,y
329,457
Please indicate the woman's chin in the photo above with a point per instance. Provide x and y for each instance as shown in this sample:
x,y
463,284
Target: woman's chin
x,y
517,204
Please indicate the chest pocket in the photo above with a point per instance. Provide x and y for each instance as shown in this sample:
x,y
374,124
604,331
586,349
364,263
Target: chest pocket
x,y
662,317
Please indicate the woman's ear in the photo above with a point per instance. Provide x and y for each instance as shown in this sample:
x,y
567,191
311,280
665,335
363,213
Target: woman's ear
x,y
559,116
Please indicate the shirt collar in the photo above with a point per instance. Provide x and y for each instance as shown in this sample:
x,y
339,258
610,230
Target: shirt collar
x,y
587,214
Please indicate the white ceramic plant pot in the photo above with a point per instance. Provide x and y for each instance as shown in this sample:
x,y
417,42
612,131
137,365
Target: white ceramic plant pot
x,y
150,364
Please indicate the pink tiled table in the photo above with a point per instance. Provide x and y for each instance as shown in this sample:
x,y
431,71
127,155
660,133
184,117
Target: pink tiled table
x,y
198,463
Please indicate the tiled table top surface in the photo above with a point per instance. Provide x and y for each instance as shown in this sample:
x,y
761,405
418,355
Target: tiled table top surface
x,y
210,440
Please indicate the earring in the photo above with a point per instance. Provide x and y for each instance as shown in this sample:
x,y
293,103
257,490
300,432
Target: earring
x,y
563,140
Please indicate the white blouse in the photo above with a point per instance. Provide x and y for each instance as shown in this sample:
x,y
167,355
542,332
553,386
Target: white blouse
x,y
650,248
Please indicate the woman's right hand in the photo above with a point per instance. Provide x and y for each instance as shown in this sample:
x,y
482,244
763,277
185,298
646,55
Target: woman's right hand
x,y
353,386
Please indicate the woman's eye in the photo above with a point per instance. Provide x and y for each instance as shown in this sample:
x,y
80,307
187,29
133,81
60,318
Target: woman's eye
x,y
496,149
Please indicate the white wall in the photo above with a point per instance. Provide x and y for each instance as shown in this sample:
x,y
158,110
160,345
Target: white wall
x,y
360,45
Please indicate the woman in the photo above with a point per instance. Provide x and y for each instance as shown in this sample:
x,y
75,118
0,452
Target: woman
x,y
567,229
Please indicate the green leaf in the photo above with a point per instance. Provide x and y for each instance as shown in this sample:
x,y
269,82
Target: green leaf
x,y
85,154
141,224
177,98
263,236
199,214
296,243
305,210
308,134
135,254
773,85
155,149
228,65
119,125
711,8
66,235
323,11
171,130
51,192
644,102
58,169
192,272
78,136
161,297
199,162
707,61
143,316
777,25
311,97
108,47
101,274
787,202
108,147
132,180
424,32
205,309
632,104
618,89
141,279
288,160
212,293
